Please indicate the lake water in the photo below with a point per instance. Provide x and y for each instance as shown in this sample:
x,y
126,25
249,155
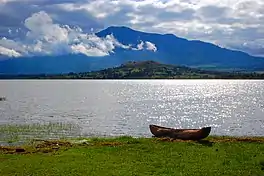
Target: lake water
x,y
127,107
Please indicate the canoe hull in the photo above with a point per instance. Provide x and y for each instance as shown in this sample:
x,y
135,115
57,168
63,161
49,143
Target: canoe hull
x,y
184,134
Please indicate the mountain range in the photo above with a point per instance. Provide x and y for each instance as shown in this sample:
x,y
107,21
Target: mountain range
x,y
166,48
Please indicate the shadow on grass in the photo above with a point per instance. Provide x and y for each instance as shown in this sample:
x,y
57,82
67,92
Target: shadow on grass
x,y
206,143
262,164
202,142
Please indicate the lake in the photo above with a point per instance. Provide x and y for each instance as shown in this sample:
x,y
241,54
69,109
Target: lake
x,y
127,107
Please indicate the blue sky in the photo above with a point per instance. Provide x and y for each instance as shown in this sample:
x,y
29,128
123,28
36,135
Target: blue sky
x,y
51,26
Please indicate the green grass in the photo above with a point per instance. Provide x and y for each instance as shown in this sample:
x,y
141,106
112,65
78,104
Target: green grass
x,y
142,156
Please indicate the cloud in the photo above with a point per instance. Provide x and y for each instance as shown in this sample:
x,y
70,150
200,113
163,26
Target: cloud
x,y
146,46
151,46
222,22
8,52
229,23
214,13
44,37
6,1
140,46
13,14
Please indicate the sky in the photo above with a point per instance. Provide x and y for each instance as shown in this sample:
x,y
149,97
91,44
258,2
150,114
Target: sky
x,y
42,27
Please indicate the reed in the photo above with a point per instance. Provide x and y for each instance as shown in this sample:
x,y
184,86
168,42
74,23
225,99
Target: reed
x,y
24,132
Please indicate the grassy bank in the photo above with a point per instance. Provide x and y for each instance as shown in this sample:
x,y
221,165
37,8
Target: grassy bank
x,y
130,156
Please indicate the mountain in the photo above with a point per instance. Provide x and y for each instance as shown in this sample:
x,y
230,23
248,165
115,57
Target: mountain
x,y
174,50
52,64
170,50
144,70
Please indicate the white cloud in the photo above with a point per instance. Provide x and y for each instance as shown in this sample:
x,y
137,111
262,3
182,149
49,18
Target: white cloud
x,y
140,46
8,52
151,46
146,46
12,45
44,37
87,50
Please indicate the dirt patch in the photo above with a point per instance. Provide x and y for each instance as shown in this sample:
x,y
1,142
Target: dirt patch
x,y
239,139
50,146
12,150
108,144
173,140
38,147
53,144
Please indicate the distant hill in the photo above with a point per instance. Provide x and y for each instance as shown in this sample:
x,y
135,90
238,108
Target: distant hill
x,y
144,70
170,50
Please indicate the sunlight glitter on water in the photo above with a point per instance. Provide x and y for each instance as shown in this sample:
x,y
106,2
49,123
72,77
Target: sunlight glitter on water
x,y
231,107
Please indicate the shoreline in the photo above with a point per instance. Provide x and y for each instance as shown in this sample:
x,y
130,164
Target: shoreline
x,y
77,140
33,146
13,134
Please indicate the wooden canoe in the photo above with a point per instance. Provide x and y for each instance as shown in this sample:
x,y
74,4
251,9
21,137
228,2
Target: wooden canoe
x,y
184,134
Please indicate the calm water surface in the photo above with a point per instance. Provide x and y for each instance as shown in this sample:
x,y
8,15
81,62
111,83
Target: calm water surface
x,y
127,107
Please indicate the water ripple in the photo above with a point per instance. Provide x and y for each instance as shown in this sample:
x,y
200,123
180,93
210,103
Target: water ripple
x,y
127,107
